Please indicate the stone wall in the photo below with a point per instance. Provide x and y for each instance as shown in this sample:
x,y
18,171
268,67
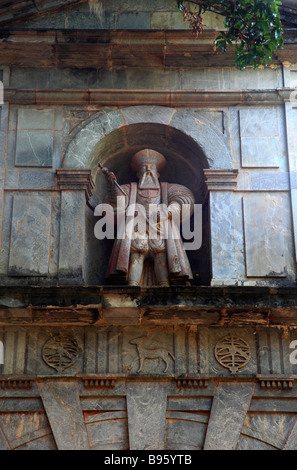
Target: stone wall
x,y
85,365
252,218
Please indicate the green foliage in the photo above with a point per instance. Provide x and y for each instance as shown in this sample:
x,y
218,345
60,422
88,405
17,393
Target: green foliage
x,y
253,27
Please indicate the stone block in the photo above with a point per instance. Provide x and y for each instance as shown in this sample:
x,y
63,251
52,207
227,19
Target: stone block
x,y
268,238
231,402
88,20
146,406
12,179
260,152
259,122
158,79
226,236
260,142
71,246
38,119
34,148
132,5
206,79
30,233
36,179
293,78
168,20
254,79
133,20
62,404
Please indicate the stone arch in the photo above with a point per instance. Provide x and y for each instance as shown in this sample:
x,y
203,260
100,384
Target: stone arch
x,y
85,142
189,143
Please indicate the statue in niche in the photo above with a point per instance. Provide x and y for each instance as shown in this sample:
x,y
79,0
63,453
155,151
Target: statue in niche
x,y
142,259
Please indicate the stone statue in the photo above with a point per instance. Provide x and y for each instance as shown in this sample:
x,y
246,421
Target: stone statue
x,y
143,259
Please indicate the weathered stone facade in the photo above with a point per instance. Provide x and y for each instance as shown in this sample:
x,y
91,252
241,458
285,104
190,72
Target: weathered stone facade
x,y
93,366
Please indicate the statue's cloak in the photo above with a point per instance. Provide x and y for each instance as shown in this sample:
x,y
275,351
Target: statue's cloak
x,y
179,268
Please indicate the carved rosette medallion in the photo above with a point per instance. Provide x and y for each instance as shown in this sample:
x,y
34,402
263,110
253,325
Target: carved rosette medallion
x,y
233,353
60,352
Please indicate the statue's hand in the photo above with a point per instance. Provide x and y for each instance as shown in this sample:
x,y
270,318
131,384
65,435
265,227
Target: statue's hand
x,y
111,178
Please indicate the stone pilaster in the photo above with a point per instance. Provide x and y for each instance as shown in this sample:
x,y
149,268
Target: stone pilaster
x,y
76,188
222,206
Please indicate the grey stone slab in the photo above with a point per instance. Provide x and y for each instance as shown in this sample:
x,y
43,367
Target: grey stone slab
x,y
132,5
260,152
217,118
63,408
12,179
264,181
35,118
276,352
157,79
255,79
71,247
205,79
3,442
226,235
231,402
291,442
34,148
184,434
291,124
267,247
214,145
109,431
4,113
144,114
146,406
168,20
30,232
263,355
259,122
270,428
29,78
55,235
7,201
88,20
134,20
85,139
36,179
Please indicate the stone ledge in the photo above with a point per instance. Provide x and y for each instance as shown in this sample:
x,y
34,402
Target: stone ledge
x,y
132,97
227,306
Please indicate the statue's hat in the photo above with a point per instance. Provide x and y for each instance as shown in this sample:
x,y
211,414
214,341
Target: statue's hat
x,y
148,156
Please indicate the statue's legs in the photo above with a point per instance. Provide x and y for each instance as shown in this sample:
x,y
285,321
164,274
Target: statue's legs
x,y
161,269
136,267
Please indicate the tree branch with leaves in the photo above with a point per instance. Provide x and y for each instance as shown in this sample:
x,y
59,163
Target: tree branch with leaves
x,y
253,27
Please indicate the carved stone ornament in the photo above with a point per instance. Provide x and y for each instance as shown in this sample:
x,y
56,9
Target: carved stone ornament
x,y
149,351
60,352
232,353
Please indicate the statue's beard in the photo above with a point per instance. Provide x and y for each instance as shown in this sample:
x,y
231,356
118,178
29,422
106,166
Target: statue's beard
x,y
148,181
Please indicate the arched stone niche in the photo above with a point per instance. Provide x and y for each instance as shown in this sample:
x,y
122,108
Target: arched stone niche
x,y
189,143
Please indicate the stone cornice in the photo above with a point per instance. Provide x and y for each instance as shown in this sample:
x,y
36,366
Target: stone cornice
x,y
128,97
75,180
221,180
114,305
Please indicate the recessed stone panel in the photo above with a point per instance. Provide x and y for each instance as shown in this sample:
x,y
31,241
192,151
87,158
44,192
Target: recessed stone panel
x,y
260,152
267,235
259,132
34,148
30,235
37,119
34,138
